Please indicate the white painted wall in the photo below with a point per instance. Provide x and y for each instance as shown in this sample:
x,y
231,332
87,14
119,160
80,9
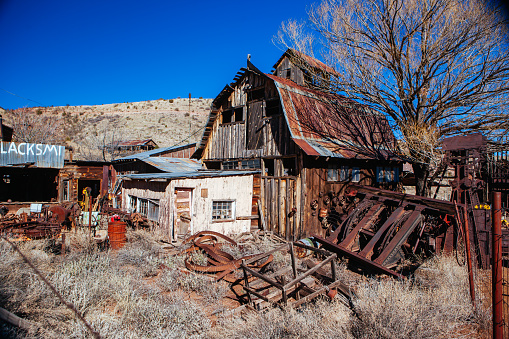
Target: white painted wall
x,y
238,188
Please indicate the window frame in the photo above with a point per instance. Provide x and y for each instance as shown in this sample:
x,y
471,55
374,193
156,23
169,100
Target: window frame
x,y
231,209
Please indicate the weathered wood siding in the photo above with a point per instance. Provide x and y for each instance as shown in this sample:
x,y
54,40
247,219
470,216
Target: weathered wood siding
x,y
237,188
73,173
287,70
258,135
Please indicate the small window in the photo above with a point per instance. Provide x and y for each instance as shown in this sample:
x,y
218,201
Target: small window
x,y
344,173
289,166
251,163
142,206
356,174
223,210
230,165
256,94
332,172
227,116
269,167
272,107
131,204
387,174
213,165
65,190
239,114
153,210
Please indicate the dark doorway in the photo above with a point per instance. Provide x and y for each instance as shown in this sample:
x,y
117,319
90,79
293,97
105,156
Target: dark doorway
x,y
28,184
95,185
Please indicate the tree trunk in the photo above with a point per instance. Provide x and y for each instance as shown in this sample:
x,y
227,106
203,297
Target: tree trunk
x,y
421,172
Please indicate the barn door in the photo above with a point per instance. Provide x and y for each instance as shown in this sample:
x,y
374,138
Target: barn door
x,y
182,222
280,199
255,125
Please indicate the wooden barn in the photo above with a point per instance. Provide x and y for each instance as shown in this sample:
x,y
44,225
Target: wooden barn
x,y
307,144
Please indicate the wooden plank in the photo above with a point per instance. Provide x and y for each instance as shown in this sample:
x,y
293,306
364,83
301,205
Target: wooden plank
x,y
13,319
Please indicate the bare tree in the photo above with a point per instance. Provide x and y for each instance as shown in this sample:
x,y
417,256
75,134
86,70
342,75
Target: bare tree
x,y
28,126
100,144
434,67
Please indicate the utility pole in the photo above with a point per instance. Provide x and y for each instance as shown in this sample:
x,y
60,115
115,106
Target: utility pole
x,y
189,138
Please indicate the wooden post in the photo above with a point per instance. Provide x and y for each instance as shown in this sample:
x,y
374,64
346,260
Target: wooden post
x,y
333,270
283,290
90,215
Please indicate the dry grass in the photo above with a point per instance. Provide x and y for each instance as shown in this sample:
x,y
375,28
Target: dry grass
x,y
140,292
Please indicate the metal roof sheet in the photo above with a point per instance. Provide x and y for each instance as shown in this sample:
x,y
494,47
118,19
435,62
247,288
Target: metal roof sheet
x,y
189,174
173,165
147,154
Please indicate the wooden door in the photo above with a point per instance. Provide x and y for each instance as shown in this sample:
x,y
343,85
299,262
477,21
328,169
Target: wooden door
x,y
255,125
182,222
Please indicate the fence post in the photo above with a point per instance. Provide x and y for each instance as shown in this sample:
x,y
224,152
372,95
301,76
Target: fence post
x,y
496,268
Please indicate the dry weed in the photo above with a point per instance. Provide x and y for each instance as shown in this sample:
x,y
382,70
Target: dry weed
x,y
320,320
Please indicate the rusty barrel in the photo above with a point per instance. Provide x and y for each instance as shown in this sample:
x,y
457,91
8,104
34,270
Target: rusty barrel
x,y
116,234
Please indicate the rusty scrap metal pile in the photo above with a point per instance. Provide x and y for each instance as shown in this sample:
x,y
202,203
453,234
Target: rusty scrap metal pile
x,y
384,228
260,285
46,223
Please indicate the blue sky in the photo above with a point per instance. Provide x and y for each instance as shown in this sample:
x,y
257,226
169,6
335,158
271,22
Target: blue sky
x,y
97,51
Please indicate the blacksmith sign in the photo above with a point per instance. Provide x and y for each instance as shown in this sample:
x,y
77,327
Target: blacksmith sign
x,y
38,155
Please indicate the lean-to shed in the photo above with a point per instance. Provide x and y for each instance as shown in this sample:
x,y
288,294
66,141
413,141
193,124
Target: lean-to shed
x,y
189,202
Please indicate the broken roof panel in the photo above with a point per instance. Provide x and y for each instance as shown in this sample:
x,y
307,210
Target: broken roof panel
x,y
147,154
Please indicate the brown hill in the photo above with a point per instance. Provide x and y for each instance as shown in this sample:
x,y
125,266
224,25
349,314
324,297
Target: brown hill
x,y
87,128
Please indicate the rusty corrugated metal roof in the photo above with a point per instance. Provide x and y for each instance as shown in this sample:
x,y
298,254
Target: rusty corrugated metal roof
x,y
190,174
330,125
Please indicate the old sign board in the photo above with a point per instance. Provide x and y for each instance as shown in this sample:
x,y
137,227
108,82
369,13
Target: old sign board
x,y
24,153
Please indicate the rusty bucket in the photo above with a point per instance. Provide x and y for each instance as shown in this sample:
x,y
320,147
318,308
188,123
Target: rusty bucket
x,y
116,234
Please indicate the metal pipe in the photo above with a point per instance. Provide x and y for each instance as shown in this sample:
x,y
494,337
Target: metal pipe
x,y
469,257
496,268
90,215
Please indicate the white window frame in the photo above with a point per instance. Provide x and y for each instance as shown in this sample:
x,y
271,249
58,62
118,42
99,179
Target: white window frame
x,y
224,215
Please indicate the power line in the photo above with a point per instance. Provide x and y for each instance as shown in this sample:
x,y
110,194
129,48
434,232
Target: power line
x,y
19,96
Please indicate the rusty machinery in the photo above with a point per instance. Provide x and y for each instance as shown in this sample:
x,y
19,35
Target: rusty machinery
x,y
383,228
47,223
477,171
